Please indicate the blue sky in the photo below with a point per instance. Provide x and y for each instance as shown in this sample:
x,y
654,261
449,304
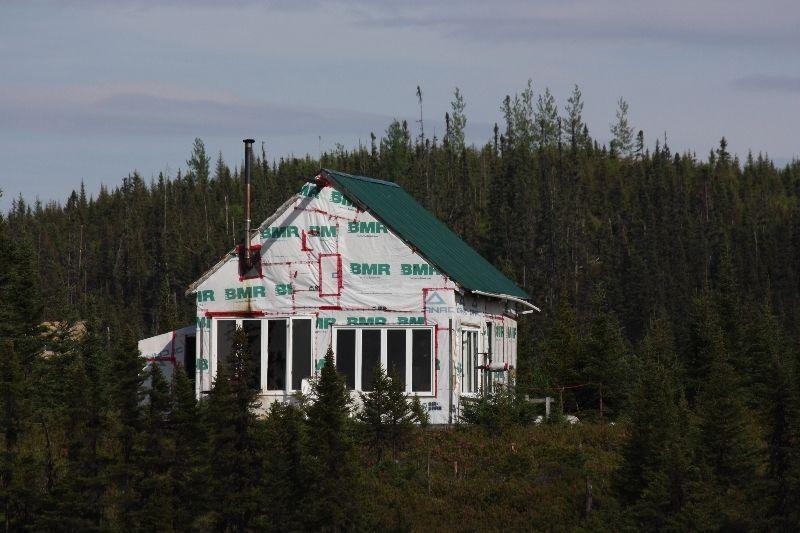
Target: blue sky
x,y
91,90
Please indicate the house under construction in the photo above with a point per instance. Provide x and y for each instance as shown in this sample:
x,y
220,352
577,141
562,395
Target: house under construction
x,y
357,264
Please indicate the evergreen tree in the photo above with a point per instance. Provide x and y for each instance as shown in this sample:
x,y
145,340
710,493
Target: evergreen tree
x,y
235,470
783,434
458,121
124,378
729,445
605,360
333,455
545,119
573,129
17,496
287,469
657,478
189,471
156,506
387,414
622,131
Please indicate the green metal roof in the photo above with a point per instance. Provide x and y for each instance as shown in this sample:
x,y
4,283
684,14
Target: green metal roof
x,y
424,232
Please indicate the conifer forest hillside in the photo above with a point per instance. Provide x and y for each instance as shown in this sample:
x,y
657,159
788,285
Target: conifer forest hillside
x,y
669,287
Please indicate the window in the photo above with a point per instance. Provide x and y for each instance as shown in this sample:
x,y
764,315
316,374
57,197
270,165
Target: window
x,y
370,356
301,351
225,331
421,359
276,354
405,353
470,378
252,329
281,350
346,356
396,354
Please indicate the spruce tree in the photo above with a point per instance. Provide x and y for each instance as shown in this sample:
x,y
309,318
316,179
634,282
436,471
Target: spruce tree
x,y
782,487
387,414
729,445
189,470
335,471
287,469
656,479
605,360
235,470
124,379
156,505
622,131
15,485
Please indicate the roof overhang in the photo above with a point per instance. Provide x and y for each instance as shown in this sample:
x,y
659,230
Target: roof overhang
x,y
509,298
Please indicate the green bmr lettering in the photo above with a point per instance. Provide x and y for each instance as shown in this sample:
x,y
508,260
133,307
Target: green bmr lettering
x,y
338,198
245,293
417,269
322,231
279,232
309,190
366,320
283,289
205,296
410,320
366,227
369,269
325,323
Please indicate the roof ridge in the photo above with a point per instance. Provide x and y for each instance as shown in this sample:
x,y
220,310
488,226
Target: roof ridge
x,y
362,178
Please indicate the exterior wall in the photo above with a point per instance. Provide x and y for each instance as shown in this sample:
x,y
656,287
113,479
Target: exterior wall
x,y
324,259
167,350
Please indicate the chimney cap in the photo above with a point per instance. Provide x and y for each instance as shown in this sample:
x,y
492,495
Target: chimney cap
x,y
248,141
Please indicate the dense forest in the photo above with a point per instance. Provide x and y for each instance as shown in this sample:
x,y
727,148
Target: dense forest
x,y
670,325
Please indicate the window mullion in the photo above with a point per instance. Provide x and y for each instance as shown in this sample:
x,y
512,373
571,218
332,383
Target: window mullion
x,y
358,358
409,361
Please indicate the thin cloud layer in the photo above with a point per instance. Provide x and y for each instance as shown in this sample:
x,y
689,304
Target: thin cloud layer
x,y
138,110
768,83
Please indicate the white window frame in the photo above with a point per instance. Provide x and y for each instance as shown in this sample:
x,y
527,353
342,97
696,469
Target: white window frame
x,y
264,345
476,374
409,352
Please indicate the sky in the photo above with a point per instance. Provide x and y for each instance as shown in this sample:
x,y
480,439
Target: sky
x,y
93,90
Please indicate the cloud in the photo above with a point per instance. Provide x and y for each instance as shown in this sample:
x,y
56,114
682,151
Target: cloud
x,y
767,83
144,109
712,22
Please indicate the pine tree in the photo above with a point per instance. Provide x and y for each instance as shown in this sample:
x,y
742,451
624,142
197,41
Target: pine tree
x,y
156,505
458,121
387,414
235,470
189,470
574,120
622,131
334,466
287,469
656,479
729,445
124,379
545,119
605,360
16,484
782,488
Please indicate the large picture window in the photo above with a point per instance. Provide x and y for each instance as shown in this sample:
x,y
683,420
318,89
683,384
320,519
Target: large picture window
x,y
405,353
281,350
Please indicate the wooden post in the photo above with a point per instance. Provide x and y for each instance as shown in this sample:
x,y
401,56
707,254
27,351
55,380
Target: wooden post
x,y
588,496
